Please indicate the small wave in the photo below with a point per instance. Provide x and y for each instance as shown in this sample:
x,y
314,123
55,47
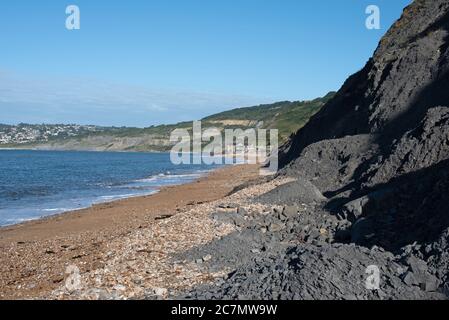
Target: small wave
x,y
13,221
58,209
119,196
138,187
163,176
147,179
190,175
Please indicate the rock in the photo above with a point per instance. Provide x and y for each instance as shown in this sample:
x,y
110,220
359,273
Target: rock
x,y
416,265
229,206
354,210
293,193
410,279
160,292
316,272
291,211
207,258
276,227
161,217
119,287
229,218
424,281
430,283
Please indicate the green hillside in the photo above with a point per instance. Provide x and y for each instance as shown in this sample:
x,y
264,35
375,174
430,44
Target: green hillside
x,y
286,116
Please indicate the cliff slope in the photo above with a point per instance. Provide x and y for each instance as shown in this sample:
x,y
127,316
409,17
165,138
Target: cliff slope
x,y
370,185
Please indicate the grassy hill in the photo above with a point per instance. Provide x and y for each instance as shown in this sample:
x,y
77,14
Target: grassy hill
x,y
286,116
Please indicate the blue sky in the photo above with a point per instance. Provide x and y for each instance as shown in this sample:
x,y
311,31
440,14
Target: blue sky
x,y
139,63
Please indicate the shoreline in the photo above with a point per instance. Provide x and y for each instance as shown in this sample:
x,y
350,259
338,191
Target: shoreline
x,y
34,254
106,202
80,150
115,203
91,201
224,155
75,210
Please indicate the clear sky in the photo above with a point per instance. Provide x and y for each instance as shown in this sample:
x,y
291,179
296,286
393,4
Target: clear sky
x,y
138,63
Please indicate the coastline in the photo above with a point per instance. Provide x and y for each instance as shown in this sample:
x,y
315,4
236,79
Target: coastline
x,y
34,254
138,182
80,150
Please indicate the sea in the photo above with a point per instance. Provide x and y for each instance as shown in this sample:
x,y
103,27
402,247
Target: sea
x,y
36,184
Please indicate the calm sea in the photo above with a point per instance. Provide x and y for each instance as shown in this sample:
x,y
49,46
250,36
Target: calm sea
x,y
36,184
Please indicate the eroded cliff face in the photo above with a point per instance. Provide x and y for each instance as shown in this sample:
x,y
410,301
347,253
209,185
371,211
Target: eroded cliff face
x,y
388,121
372,182
379,151
387,132
407,75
